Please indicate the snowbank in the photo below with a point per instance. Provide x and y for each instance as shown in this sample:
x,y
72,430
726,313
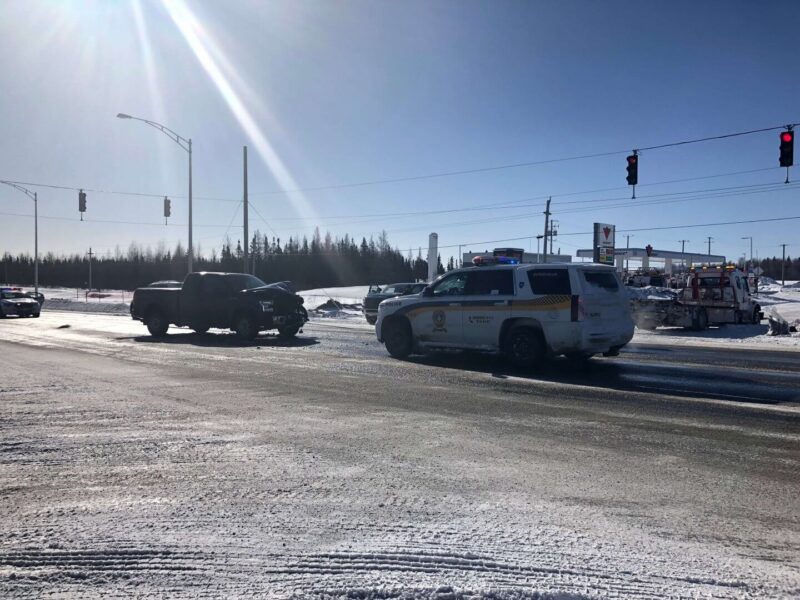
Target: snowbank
x,y
650,293
352,295
92,306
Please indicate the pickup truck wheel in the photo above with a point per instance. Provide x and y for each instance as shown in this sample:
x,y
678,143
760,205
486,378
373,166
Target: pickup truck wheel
x,y
245,327
372,320
287,332
756,317
525,347
700,320
157,323
397,338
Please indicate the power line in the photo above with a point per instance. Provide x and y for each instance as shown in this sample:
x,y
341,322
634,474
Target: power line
x,y
117,192
623,202
717,137
516,165
661,228
498,205
113,221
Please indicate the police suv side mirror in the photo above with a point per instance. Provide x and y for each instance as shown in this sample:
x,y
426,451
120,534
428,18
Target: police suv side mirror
x,y
427,291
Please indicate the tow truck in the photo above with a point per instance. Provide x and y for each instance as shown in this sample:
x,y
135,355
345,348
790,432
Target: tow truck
x,y
713,295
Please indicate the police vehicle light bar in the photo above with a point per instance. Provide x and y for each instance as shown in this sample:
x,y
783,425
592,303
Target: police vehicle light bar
x,y
485,261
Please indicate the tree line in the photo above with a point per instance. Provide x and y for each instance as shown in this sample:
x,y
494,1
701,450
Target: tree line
x,y
319,262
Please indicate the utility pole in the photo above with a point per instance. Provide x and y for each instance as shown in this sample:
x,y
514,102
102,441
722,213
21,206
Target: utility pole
x,y
90,268
546,226
750,237
538,254
244,204
627,250
709,247
683,252
553,233
783,266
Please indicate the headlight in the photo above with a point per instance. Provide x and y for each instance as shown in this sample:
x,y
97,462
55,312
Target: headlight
x,y
266,305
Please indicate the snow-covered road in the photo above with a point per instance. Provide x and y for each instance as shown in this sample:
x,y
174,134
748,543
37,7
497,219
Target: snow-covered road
x,y
202,467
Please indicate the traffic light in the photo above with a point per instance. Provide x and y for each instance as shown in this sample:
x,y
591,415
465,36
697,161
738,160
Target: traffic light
x,y
633,169
82,202
787,148
167,207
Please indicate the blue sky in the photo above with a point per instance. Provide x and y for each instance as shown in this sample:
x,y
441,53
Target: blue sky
x,y
338,92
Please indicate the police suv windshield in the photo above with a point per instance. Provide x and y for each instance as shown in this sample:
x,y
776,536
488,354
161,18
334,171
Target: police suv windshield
x,y
8,295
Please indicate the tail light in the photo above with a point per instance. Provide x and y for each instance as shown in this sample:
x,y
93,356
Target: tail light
x,y
577,311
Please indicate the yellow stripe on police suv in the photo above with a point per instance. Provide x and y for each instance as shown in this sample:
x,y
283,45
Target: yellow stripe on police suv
x,y
544,303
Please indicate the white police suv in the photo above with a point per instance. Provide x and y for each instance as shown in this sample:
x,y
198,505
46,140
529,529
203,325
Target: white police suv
x,y
526,311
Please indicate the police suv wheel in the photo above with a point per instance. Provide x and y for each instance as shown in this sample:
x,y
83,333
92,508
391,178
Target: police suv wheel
x,y
245,327
397,338
157,324
372,320
525,347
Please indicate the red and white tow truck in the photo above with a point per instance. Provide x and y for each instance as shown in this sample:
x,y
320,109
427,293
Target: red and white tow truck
x,y
713,295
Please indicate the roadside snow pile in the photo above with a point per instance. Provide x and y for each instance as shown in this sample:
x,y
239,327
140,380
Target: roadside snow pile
x,y
336,310
779,324
343,295
651,293
113,308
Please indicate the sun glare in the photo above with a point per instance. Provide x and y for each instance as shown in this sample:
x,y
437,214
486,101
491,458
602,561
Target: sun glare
x,y
199,41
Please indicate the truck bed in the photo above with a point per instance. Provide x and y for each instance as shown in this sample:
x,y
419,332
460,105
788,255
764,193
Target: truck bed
x,y
166,299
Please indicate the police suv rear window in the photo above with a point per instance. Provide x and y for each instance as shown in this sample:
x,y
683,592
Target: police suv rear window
x,y
601,279
549,281
490,283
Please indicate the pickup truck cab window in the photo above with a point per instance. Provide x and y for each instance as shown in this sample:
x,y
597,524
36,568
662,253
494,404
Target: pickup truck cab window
x,y
244,282
214,285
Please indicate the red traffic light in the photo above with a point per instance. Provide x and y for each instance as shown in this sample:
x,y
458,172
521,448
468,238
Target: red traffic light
x,y
632,160
787,136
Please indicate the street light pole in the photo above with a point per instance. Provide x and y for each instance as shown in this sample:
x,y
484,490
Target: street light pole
x,y
186,144
35,197
191,251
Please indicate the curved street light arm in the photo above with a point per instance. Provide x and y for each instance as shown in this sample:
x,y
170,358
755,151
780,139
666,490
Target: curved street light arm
x,y
178,139
33,196
26,191
187,147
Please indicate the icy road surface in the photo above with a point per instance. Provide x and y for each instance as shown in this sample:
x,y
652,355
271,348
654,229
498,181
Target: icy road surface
x,y
198,466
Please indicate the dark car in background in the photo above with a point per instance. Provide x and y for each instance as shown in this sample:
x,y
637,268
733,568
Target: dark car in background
x,y
234,301
376,295
15,302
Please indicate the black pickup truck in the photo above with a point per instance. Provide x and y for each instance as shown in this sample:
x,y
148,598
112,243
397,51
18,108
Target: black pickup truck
x,y
234,301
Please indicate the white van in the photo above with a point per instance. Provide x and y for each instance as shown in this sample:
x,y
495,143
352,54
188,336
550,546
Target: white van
x,y
525,311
